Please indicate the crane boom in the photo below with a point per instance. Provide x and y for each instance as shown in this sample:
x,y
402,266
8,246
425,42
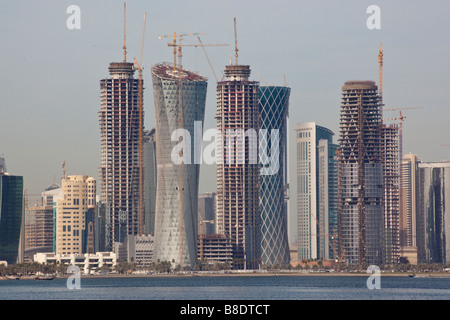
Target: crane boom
x,y
124,32
235,43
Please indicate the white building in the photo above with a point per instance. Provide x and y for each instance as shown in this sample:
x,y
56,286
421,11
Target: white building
x,y
86,262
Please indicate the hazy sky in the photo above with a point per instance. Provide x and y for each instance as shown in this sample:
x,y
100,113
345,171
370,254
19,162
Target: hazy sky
x,y
50,92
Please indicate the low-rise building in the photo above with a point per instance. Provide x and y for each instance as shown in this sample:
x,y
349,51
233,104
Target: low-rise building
x,y
87,262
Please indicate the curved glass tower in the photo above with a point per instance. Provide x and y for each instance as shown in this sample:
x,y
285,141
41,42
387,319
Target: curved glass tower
x,y
179,97
273,107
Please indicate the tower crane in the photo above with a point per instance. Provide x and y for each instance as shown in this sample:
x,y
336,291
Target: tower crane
x,y
401,119
180,186
380,71
138,66
174,44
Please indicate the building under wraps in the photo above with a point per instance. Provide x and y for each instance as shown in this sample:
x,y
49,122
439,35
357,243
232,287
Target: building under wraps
x,y
238,121
360,174
179,97
120,168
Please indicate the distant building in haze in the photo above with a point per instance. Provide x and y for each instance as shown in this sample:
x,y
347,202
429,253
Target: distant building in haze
x,y
433,214
391,193
150,182
408,207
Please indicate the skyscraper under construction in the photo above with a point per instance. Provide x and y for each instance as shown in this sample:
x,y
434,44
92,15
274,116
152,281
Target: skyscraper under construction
x,y
179,97
119,169
360,174
238,119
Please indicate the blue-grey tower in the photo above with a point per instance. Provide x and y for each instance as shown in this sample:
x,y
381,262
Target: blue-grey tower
x,y
274,179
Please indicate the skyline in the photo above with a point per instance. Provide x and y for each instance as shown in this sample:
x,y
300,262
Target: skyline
x,y
51,94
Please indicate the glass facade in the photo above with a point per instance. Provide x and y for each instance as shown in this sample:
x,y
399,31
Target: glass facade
x,y
11,206
273,106
176,207
316,191
433,220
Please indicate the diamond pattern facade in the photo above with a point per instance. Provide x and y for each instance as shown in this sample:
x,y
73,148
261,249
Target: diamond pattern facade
x,y
176,215
273,106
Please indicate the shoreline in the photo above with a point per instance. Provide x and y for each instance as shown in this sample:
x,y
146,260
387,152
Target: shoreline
x,y
244,274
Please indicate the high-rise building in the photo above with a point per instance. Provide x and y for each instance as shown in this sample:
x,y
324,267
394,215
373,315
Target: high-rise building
x,y
238,119
119,171
327,199
360,174
150,173
274,180
391,193
207,213
407,228
75,220
433,216
179,97
40,223
316,188
11,216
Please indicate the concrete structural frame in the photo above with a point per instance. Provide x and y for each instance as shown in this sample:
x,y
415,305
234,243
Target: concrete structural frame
x,y
391,193
360,174
150,182
314,190
274,188
238,177
179,98
119,171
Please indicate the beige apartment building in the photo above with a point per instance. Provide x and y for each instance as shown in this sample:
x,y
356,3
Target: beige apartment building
x,y
75,218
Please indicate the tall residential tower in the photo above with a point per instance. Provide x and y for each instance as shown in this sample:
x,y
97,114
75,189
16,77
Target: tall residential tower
x,y
238,121
360,174
119,170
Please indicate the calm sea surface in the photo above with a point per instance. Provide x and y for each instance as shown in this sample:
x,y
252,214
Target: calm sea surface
x,y
230,288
